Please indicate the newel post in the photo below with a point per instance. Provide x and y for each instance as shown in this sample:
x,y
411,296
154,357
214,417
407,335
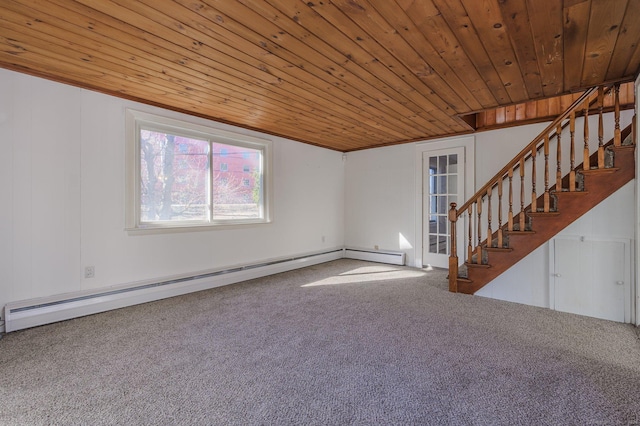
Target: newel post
x,y
453,254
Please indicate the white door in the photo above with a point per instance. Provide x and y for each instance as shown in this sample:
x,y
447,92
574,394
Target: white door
x,y
589,278
442,184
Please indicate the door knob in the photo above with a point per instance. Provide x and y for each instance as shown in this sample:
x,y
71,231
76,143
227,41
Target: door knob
x,y
620,282
557,275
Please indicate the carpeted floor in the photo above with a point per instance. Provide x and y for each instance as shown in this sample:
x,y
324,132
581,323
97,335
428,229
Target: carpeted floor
x,y
347,342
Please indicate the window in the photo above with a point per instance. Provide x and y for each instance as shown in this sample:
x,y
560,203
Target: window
x,y
175,179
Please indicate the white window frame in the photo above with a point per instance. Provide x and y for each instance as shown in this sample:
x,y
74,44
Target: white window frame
x,y
135,120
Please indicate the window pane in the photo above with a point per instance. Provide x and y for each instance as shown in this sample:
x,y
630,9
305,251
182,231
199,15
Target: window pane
x,y
236,195
442,245
453,163
442,164
432,184
443,225
442,185
453,184
442,205
433,164
433,244
174,177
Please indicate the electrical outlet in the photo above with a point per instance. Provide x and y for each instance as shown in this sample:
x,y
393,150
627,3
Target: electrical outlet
x,y
89,271
323,239
376,247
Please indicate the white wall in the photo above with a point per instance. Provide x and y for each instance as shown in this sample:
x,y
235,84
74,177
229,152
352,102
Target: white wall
x,y
62,190
380,197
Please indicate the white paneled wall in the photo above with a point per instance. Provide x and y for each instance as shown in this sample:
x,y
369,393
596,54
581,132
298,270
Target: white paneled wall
x,y
62,191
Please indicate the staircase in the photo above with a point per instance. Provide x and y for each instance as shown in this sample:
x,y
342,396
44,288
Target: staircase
x,y
525,220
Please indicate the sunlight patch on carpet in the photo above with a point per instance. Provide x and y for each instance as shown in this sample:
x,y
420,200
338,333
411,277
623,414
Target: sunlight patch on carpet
x,y
368,274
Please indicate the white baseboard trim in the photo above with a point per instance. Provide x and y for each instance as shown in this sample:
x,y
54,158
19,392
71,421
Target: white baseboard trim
x,y
35,312
391,257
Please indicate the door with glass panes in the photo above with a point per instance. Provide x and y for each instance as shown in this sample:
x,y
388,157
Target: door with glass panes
x,y
442,184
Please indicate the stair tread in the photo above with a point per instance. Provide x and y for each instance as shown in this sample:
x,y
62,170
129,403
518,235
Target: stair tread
x,y
623,148
477,265
567,192
498,249
600,171
520,232
542,214
464,280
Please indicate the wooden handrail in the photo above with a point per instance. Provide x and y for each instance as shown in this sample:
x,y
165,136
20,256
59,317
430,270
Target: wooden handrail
x,y
526,150
564,126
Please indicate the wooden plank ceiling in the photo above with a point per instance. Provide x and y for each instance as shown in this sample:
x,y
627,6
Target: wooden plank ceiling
x,y
342,74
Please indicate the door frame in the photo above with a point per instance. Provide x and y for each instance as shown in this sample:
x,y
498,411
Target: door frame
x,y
636,258
467,143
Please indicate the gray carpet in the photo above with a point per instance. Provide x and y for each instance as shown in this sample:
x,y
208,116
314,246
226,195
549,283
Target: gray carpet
x,y
347,342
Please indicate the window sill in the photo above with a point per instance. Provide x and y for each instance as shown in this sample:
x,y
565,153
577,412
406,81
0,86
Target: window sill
x,y
172,229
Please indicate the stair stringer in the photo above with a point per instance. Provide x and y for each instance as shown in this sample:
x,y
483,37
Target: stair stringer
x,y
598,185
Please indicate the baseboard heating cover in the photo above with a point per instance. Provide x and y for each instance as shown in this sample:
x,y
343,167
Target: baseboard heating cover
x,y
392,257
35,312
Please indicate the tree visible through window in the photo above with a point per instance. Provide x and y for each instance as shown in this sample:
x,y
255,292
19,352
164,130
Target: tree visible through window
x,y
188,177
174,177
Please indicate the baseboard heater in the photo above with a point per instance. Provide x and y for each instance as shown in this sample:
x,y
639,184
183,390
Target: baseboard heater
x,y
35,312
391,257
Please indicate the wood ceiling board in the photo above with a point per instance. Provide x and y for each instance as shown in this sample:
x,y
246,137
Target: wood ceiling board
x,y
604,26
516,16
487,19
369,87
546,27
634,63
575,17
301,15
628,40
355,61
360,47
402,26
457,19
435,31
